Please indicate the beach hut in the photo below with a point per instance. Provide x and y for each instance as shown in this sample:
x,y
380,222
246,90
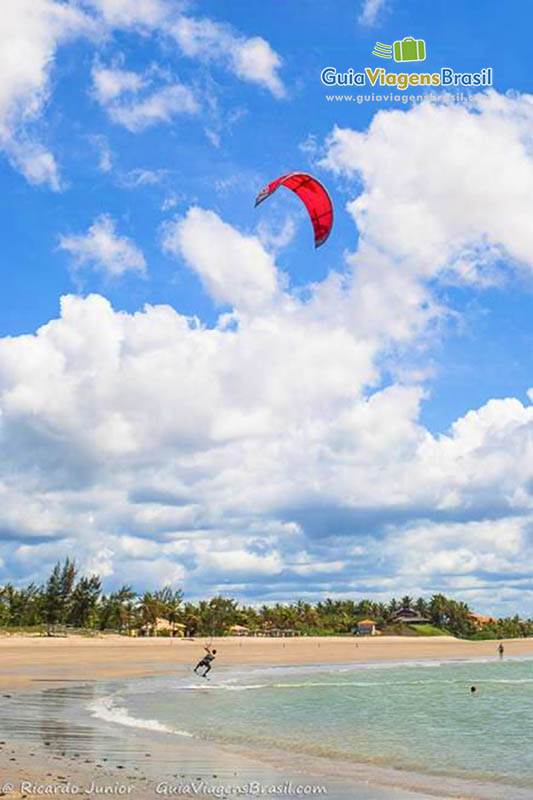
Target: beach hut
x,y
281,632
239,630
410,617
366,627
480,621
162,627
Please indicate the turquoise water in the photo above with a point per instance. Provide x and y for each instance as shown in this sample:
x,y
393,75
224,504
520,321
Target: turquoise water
x,y
420,717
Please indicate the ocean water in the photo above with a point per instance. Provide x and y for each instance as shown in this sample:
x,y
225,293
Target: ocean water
x,y
418,717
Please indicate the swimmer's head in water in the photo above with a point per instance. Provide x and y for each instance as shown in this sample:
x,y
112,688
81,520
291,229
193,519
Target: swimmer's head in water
x,y
473,689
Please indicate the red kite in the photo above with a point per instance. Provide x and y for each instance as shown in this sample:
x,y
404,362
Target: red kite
x,y
313,195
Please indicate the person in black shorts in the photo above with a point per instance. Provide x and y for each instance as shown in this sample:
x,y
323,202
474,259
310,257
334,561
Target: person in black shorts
x,y
206,661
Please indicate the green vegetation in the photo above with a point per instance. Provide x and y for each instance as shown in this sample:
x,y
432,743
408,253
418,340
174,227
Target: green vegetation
x,y
509,628
67,602
428,630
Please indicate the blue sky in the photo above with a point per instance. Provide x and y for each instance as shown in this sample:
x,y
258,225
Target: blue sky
x,y
264,142
134,139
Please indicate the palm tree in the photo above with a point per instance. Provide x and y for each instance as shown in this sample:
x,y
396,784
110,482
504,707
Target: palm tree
x,y
190,618
406,603
392,608
422,607
150,608
118,610
223,614
437,609
170,603
364,608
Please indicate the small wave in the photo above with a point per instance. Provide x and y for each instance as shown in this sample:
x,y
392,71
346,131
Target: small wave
x,y
105,709
246,687
226,687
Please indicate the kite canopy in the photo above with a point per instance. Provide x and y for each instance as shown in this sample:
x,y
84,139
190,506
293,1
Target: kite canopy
x,y
313,195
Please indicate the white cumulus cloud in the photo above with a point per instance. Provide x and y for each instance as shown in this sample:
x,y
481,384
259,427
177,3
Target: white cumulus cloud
x,y
33,31
273,445
108,84
120,93
234,268
160,106
127,14
441,180
30,33
250,58
102,249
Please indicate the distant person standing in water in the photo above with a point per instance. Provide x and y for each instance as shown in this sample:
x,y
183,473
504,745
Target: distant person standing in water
x,y
501,650
206,660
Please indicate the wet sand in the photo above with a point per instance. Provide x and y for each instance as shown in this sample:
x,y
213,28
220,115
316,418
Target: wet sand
x,y
27,771
26,662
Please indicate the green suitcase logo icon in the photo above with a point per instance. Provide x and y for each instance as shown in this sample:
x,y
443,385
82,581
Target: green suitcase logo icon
x,y
410,49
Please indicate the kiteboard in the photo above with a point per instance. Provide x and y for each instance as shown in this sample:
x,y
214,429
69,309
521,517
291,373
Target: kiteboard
x,y
197,674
